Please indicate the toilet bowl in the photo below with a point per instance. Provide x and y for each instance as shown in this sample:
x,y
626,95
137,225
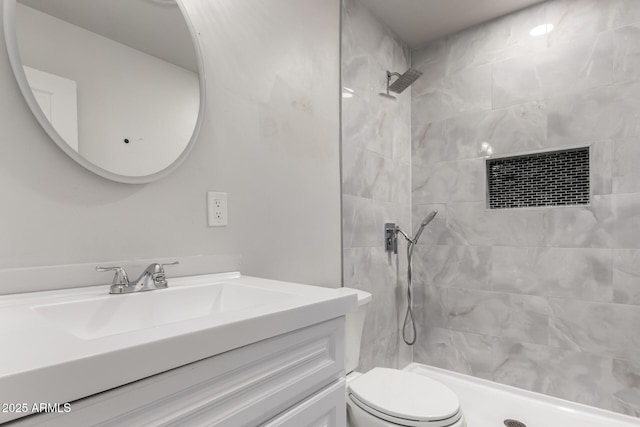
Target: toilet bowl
x,y
386,397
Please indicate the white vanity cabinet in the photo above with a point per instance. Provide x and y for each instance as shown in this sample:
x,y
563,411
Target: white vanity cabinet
x,y
291,380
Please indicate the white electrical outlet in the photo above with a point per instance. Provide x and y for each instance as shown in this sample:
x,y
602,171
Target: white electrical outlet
x,y
217,209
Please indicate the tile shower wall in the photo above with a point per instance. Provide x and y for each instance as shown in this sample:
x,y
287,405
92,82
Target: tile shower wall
x,y
375,179
546,299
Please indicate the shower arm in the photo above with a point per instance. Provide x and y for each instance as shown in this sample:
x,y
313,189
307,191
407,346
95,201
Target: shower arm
x,y
389,75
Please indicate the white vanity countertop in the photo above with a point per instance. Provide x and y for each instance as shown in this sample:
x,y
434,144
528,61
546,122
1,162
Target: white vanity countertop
x,y
45,358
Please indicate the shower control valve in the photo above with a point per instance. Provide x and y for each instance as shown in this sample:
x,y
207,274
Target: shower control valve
x,y
391,237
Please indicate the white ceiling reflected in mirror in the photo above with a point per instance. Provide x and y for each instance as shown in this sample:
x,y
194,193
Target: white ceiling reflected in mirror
x,y
117,84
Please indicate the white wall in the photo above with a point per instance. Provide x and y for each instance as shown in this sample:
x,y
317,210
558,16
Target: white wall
x,y
122,93
269,139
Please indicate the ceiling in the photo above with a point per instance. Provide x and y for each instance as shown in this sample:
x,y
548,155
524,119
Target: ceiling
x,y
155,27
416,22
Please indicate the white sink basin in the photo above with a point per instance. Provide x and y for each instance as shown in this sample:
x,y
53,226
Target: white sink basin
x,y
68,344
116,314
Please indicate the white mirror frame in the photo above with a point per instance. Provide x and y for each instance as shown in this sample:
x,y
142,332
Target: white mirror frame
x,y
11,39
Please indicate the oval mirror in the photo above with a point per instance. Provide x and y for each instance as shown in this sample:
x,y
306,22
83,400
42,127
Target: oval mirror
x,y
117,84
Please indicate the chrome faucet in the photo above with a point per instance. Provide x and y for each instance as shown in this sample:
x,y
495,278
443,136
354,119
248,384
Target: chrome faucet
x,y
153,277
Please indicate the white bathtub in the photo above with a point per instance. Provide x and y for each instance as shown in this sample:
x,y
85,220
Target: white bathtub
x,y
488,404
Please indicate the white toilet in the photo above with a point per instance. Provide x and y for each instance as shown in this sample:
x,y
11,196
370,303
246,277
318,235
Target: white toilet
x,y
389,397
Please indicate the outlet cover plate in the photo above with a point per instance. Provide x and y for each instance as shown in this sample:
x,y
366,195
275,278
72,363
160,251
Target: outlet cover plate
x,y
217,209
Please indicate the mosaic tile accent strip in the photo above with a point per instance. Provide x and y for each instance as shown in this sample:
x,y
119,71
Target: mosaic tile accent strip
x,y
557,178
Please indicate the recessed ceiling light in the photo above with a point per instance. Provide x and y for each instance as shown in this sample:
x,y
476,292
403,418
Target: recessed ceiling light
x,y
541,29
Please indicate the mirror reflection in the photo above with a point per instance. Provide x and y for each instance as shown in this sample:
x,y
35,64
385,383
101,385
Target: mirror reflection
x,y
117,79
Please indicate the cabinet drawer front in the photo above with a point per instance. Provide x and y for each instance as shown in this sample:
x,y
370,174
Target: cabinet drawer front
x,y
324,409
243,387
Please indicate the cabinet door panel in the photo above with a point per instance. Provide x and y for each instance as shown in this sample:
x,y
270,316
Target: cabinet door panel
x,y
243,387
324,409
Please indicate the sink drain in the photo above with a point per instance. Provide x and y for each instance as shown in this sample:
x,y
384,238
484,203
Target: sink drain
x,y
514,423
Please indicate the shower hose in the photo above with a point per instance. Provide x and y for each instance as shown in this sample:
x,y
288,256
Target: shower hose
x,y
408,318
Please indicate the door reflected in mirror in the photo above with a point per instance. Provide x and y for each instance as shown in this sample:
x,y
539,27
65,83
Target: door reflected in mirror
x,y
117,80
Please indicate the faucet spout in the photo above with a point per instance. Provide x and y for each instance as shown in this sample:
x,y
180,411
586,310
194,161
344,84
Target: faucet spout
x,y
152,277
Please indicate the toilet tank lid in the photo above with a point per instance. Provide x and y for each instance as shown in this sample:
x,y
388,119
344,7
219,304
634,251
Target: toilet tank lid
x,y
363,297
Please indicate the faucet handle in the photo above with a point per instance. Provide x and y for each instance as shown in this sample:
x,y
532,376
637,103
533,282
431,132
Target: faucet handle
x,y
169,263
160,278
120,277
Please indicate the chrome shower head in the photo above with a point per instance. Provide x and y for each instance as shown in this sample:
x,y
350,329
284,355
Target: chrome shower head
x,y
403,81
387,95
425,222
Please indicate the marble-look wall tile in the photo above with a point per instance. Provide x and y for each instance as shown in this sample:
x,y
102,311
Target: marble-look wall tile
x,y
490,43
431,61
473,224
626,64
467,90
356,75
434,346
359,222
570,18
358,172
379,275
626,220
458,181
564,68
469,354
430,306
363,220
626,276
402,141
382,121
623,12
602,166
573,375
609,112
359,29
371,175
369,267
626,158
514,129
522,318
376,174
429,144
355,127
626,387
515,81
539,298
387,351
401,188
374,271
455,266
598,328
508,130
591,226
558,272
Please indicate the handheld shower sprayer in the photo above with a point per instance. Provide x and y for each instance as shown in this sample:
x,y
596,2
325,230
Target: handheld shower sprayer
x,y
394,230
424,224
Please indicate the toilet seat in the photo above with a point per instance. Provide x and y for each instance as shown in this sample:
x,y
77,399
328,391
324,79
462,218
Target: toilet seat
x,y
405,398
